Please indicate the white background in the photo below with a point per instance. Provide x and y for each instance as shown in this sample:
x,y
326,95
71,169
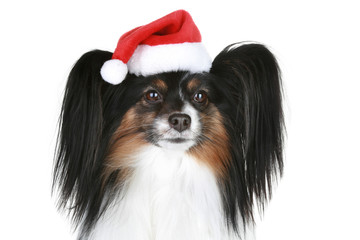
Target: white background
x,y
316,42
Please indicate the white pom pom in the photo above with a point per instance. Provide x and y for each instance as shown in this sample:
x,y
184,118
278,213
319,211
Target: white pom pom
x,y
114,71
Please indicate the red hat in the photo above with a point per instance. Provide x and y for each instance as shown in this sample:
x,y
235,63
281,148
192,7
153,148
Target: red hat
x,y
171,43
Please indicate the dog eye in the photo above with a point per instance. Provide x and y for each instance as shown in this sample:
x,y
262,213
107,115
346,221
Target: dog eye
x,y
152,96
200,97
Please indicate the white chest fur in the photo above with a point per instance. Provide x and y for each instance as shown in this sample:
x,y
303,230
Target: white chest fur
x,y
170,196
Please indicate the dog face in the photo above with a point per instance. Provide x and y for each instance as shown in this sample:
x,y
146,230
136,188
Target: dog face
x,y
229,118
174,110
177,112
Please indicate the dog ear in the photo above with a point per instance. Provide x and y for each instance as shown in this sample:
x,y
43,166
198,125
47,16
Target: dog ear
x,y
252,75
81,123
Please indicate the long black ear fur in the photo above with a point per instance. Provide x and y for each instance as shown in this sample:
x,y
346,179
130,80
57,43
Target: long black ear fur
x,y
252,74
78,158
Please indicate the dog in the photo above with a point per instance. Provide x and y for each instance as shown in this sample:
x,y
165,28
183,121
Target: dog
x,y
172,154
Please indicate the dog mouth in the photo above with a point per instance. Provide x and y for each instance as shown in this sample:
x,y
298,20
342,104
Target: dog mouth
x,y
176,143
176,140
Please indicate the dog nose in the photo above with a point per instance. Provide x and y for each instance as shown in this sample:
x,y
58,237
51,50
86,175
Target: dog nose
x,y
179,121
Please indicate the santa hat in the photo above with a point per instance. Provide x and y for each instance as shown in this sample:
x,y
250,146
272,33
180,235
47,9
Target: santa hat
x,y
171,43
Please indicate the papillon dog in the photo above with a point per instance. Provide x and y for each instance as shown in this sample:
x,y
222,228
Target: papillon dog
x,y
174,155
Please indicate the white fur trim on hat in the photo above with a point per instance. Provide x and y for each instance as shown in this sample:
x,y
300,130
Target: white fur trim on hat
x,y
114,71
148,60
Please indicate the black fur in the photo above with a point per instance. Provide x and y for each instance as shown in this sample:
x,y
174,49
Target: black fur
x,y
250,74
247,90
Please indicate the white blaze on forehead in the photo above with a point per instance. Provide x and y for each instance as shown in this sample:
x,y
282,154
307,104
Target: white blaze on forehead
x,y
181,94
182,97
194,115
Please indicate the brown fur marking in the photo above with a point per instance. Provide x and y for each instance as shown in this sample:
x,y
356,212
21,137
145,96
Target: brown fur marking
x,y
193,84
213,150
126,141
160,85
